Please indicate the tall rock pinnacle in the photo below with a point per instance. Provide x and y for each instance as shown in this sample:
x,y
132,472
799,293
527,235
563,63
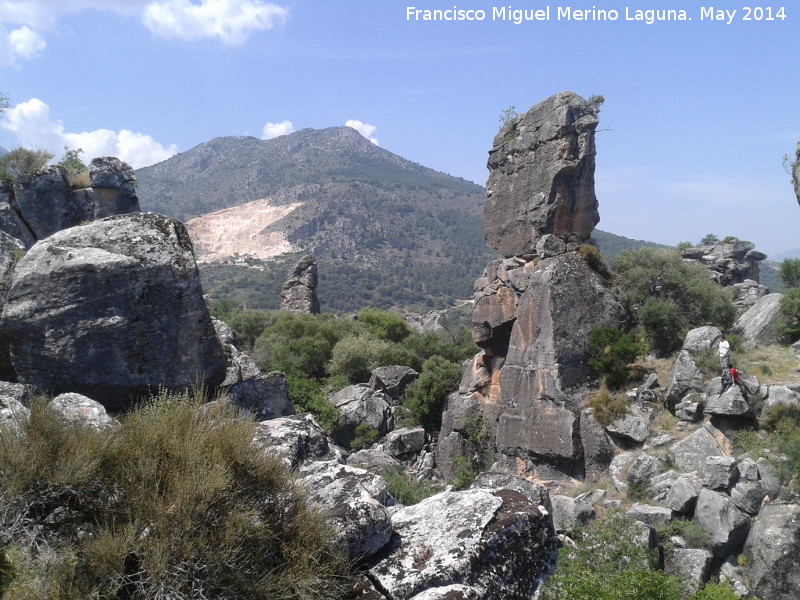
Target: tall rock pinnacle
x,y
542,176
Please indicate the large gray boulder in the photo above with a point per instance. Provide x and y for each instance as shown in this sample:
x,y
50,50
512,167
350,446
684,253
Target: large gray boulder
x,y
392,381
296,439
299,293
756,326
113,310
262,397
542,176
726,525
771,552
495,541
691,452
360,405
354,502
42,204
684,378
693,565
700,340
76,409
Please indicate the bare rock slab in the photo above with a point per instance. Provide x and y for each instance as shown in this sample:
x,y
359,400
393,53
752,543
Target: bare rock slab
x,y
112,310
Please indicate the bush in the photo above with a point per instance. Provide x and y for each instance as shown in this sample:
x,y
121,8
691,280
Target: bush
x,y
780,436
694,535
790,273
668,297
423,400
607,563
788,324
178,504
594,260
22,162
610,352
356,357
406,490
384,325
607,407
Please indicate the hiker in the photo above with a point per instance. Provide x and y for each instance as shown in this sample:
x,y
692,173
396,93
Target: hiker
x,y
724,353
727,381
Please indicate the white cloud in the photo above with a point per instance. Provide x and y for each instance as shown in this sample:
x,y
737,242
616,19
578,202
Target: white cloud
x,y
20,44
30,122
273,130
364,129
231,21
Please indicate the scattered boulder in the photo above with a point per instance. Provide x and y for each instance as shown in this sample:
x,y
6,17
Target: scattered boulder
x,y
643,468
720,472
494,541
299,293
747,293
296,439
682,496
701,340
654,516
691,452
79,410
569,513
771,552
360,405
728,403
756,326
694,565
354,501
634,426
113,310
534,492
374,460
726,525
13,415
262,397
541,176
684,378
598,450
405,441
748,496
392,381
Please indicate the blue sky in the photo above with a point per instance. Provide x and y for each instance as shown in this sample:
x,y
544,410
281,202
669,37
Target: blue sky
x,y
697,118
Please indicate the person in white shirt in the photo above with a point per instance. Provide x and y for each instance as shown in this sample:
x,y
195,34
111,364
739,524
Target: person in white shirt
x,y
724,354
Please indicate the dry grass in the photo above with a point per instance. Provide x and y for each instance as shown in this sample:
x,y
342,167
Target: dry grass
x,y
79,180
770,364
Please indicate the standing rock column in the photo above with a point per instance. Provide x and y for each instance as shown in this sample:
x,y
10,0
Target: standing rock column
x,y
542,176
299,293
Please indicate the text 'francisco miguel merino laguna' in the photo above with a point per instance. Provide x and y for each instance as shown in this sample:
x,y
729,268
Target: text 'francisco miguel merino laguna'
x,y
567,13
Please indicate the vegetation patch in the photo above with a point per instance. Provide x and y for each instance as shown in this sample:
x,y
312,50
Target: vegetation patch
x,y
607,407
178,504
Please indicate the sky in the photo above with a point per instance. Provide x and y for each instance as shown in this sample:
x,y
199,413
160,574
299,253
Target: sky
x,y
697,118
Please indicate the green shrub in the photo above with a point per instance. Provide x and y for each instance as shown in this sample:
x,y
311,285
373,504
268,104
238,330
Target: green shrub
x,y
464,473
694,535
610,352
364,435
177,504
308,395
790,273
356,357
384,325
607,407
22,162
407,490
423,400
607,563
788,324
594,260
780,436
668,297
716,591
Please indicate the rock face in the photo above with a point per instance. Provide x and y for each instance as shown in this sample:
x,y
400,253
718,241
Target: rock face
x,y
771,551
36,207
299,293
534,310
458,537
729,262
542,176
112,310
756,325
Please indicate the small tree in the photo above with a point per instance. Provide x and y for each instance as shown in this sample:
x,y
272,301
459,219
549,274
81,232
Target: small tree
x,y
71,161
23,162
788,325
709,240
790,273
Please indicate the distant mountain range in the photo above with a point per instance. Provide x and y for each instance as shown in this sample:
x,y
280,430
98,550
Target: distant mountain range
x,y
386,232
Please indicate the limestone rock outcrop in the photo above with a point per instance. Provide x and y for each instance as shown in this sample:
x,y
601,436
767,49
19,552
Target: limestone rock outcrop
x,y
729,263
299,293
756,326
534,309
113,310
542,176
35,207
